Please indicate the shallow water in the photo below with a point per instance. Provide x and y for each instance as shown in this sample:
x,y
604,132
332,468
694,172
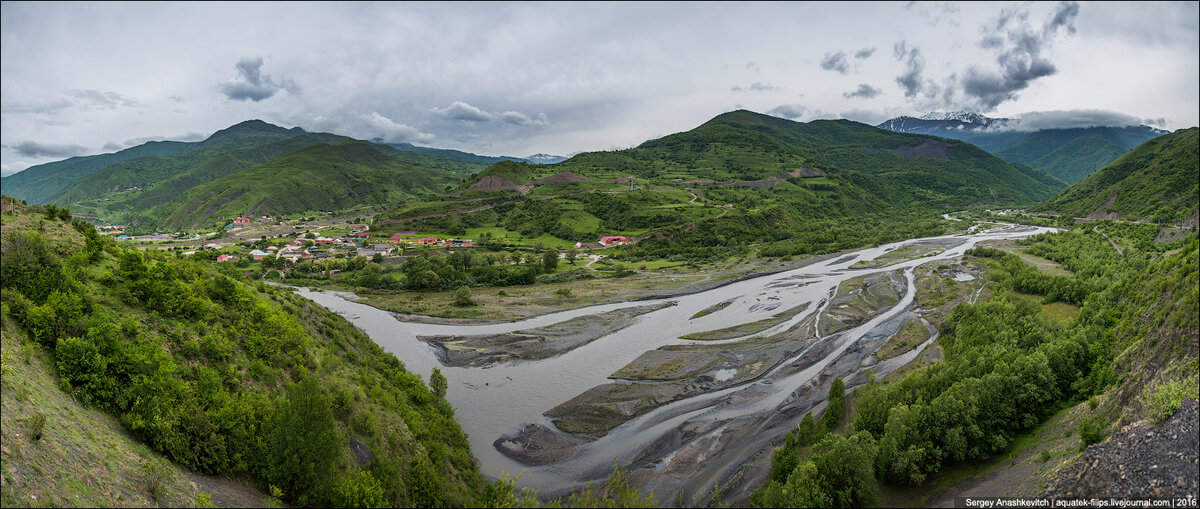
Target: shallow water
x,y
495,400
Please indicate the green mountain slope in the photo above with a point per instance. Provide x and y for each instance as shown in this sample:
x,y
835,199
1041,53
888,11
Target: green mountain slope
x,y
318,177
223,375
741,178
1072,154
161,179
37,184
1157,180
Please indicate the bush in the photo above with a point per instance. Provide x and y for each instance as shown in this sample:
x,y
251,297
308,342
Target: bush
x,y
1163,400
37,425
462,297
1091,431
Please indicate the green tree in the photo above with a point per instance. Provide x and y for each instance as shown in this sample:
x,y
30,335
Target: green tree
x,y
550,260
462,297
303,446
570,256
438,383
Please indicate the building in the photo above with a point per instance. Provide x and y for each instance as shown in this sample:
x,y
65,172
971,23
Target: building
x,y
259,255
366,251
395,239
613,240
224,258
358,227
426,241
460,242
241,220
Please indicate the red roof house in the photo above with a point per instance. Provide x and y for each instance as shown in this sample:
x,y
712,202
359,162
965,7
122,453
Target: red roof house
x,y
613,240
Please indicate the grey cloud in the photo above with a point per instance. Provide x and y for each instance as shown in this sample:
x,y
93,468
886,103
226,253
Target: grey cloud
x,y
1019,55
864,90
1159,122
112,147
133,142
392,131
518,118
864,53
900,50
912,79
1067,119
836,62
252,85
759,86
788,111
101,100
36,149
459,110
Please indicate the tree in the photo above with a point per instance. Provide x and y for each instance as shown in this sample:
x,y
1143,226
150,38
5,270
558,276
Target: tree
x,y
438,383
462,297
550,260
570,256
303,446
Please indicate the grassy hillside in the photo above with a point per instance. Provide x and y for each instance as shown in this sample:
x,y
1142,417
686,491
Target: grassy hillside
x,y
162,178
223,375
318,177
37,184
739,179
1072,154
1157,180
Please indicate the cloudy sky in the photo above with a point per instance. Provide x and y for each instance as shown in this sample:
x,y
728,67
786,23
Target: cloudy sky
x,y
517,79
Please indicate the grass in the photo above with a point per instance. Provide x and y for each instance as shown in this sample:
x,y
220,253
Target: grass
x,y
912,333
1164,399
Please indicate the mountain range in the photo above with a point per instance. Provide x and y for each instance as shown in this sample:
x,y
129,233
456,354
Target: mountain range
x,y
1069,154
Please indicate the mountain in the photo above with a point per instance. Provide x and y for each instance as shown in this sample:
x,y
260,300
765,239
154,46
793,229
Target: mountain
x,y
37,184
317,177
452,154
1158,180
738,179
1068,154
540,158
145,192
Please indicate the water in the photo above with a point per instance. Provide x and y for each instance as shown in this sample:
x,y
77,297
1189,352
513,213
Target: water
x,y
495,400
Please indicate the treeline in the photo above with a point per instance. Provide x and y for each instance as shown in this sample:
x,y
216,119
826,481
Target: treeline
x,y
1006,369
435,270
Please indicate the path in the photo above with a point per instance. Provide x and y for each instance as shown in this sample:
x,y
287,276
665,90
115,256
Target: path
x,y
1110,241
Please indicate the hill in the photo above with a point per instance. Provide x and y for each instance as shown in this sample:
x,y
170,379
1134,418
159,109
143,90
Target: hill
x,y
1067,154
1156,181
317,177
215,373
37,184
738,179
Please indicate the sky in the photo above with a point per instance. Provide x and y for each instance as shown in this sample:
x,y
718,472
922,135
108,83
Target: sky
x,y
562,78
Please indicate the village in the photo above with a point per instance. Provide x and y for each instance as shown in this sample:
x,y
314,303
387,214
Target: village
x,y
274,239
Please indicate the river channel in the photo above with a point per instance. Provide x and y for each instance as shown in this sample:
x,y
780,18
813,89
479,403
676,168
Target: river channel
x,y
687,444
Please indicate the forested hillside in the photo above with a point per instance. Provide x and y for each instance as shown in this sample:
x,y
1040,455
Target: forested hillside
x,y
1158,181
224,375
318,177
1009,365
37,184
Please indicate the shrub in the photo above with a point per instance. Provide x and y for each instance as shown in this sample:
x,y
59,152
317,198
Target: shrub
x,y
303,444
462,297
37,425
1091,431
1164,399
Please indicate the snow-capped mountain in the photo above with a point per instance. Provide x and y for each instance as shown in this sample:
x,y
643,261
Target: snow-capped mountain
x,y
545,159
940,121
965,117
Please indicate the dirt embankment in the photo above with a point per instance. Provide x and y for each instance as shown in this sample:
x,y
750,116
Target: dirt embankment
x,y
1140,461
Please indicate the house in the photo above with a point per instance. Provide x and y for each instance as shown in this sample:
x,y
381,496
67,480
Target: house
x,y
460,242
382,248
241,220
212,247
123,237
259,255
223,258
362,235
189,253
272,249
366,251
395,239
324,240
613,240
358,227
426,241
